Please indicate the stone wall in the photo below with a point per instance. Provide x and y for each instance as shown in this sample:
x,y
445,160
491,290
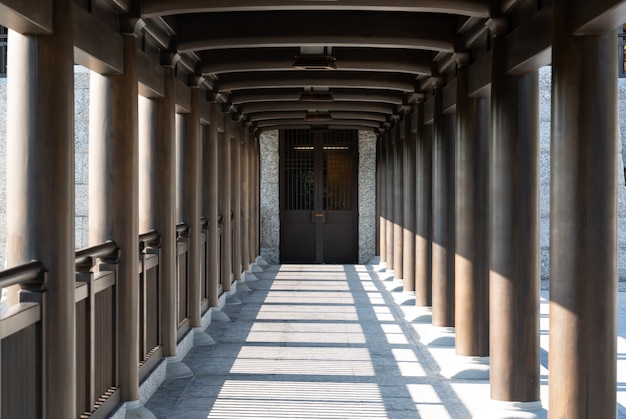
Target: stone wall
x,y
367,196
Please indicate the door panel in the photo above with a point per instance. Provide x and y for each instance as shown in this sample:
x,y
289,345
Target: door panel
x,y
318,196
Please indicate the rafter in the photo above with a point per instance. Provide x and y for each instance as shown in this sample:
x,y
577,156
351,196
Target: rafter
x,y
478,8
339,95
338,28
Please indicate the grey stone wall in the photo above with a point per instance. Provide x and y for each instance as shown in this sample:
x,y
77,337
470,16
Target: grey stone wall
x,y
367,196
81,138
270,221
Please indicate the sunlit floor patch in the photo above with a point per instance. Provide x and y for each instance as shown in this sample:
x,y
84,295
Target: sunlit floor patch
x,y
298,400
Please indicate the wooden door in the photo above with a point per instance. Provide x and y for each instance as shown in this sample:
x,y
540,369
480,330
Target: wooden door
x,y
318,196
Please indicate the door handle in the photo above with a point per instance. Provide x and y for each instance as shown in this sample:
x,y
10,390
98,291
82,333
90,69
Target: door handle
x,y
318,215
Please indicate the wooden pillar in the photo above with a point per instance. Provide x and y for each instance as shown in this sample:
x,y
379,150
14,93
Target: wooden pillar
x,y
225,202
113,166
210,197
40,188
381,195
583,201
235,153
245,200
389,200
190,191
442,216
423,211
408,216
513,232
471,260
398,201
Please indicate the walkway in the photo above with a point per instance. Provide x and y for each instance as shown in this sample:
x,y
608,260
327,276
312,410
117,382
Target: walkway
x,y
327,341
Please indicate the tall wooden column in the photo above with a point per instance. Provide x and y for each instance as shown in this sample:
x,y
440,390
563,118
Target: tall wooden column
x,y
423,214
225,202
398,201
471,257
235,153
389,187
583,200
513,231
190,170
442,217
40,188
381,157
210,197
408,216
245,200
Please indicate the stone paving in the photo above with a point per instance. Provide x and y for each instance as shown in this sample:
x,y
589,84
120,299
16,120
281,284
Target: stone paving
x,y
331,341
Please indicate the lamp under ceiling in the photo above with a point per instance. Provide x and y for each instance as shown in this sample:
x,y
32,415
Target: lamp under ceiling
x,y
316,96
315,62
318,116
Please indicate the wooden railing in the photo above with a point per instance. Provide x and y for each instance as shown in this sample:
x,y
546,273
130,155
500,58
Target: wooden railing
x,y
149,300
182,278
97,323
96,328
21,349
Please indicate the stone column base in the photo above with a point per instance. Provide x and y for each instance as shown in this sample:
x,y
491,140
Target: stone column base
x,y
439,336
497,409
466,368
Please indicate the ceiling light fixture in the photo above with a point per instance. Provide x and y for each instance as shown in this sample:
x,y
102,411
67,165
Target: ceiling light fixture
x,y
316,96
318,116
315,62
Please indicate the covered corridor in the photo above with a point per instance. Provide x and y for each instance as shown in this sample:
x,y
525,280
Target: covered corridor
x,y
181,94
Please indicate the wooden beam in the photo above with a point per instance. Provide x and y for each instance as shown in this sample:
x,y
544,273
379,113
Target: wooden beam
x,y
32,17
529,46
151,77
359,59
183,97
287,122
337,115
479,77
449,96
331,106
339,95
96,45
332,79
596,17
461,7
338,28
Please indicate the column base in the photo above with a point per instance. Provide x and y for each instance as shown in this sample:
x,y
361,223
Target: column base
x,y
241,286
232,300
177,369
439,336
261,261
254,267
497,409
201,338
419,314
466,368
249,276
135,410
219,316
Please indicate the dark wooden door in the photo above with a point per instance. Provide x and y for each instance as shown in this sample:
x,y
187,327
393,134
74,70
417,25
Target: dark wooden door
x,y
318,196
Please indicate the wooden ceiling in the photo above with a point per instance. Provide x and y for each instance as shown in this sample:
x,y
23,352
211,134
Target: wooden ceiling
x,y
362,63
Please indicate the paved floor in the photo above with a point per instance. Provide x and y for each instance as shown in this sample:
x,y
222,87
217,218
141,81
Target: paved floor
x,y
330,341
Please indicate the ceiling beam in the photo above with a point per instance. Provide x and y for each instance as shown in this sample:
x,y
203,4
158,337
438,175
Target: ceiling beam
x,y
202,31
369,116
596,17
339,95
478,8
331,106
332,79
356,59
287,122
33,17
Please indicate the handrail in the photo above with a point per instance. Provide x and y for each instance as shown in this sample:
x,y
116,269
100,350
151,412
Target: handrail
x,y
149,236
107,248
24,272
182,227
